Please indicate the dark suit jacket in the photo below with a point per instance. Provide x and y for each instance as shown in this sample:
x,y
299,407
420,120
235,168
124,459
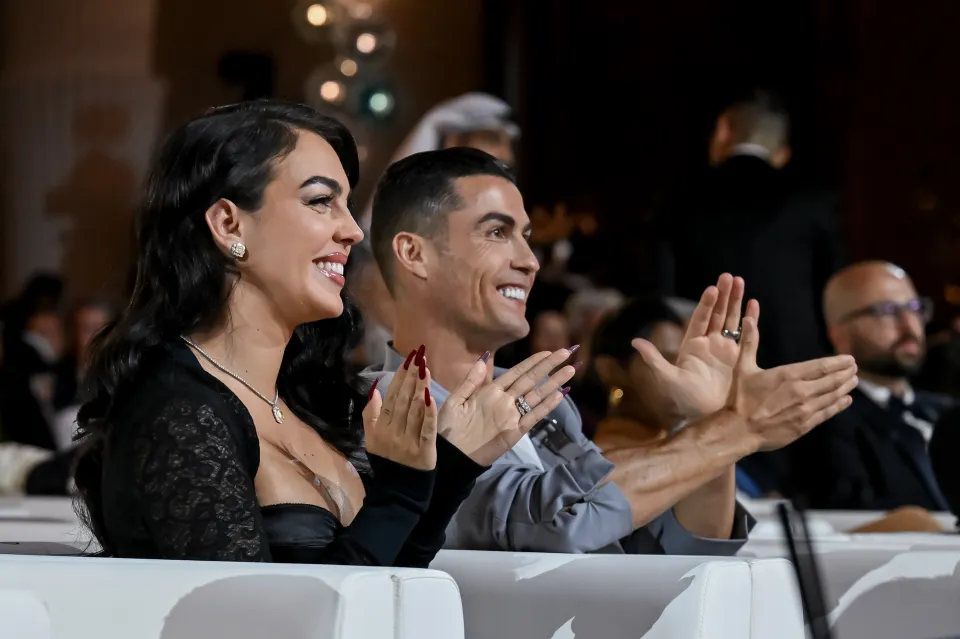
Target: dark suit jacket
x,y
744,218
861,460
22,417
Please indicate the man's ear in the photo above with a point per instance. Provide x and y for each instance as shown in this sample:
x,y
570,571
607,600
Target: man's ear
x,y
413,254
223,220
610,372
721,140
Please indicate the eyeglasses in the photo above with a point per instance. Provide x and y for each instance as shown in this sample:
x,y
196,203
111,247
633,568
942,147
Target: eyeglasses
x,y
921,307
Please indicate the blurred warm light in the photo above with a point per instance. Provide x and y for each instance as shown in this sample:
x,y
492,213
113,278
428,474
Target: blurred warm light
x,y
616,395
361,153
366,43
331,90
952,294
317,15
361,10
380,103
348,68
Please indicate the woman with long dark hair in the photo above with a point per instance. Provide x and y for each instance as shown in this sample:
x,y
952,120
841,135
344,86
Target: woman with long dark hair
x,y
220,420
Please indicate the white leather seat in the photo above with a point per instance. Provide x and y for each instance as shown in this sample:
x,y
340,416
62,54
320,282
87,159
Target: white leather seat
x,y
525,595
45,531
773,529
37,508
92,598
42,519
822,522
886,586
845,520
23,616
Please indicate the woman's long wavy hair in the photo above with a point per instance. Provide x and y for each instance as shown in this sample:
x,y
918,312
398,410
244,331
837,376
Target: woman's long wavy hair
x,y
183,281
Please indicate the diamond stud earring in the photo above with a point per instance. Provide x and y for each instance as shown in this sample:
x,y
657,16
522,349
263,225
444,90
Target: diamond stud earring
x,y
238,250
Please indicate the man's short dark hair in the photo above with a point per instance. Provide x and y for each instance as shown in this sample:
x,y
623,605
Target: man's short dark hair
x,y
416,194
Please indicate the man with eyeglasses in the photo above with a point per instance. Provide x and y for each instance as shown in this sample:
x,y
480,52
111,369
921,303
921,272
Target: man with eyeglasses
x,y
874,455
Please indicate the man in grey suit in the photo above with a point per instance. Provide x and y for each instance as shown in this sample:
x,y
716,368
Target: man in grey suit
x,y
450,235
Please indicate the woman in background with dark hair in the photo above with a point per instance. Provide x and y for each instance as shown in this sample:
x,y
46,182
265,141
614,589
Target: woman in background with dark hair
x,y
632,414
220,420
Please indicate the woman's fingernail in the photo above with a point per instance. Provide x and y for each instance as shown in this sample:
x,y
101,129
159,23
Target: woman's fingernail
x,y
422,364
406,363
420,351
426,396
372,388
573,349
577,365
565,390
485,357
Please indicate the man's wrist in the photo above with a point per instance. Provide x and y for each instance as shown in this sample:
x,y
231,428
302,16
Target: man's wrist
x,y
738,429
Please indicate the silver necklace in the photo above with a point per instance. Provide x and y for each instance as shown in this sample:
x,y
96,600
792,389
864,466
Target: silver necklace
x,y
275,404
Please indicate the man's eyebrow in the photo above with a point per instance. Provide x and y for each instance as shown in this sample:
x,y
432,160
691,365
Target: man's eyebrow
x,y
494,216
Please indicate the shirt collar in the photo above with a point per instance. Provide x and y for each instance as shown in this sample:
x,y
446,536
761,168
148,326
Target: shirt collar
x,y
41,346
881,394
756,150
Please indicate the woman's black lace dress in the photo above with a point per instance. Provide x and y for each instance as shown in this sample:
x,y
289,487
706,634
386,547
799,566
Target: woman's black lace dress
x,y
178,483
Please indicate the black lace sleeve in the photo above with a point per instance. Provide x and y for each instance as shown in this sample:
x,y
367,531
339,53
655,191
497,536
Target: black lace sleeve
x,y
196,487
456,476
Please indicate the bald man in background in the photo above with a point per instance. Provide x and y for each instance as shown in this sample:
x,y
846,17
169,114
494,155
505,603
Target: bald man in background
x,y
874,455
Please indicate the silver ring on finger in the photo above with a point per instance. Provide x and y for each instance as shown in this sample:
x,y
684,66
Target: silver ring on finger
x,y
522,406
734,335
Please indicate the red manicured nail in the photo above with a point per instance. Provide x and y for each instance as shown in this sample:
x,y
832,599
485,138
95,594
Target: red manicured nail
x,y
419,357
565,390
406,363
426,396
423,368
372,388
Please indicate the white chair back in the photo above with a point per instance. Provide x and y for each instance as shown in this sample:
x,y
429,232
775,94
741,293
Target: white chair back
x,y
23,616
523,595
93,598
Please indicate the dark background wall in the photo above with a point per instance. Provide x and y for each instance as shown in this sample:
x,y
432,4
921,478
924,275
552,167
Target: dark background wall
x,y
616,100
439,54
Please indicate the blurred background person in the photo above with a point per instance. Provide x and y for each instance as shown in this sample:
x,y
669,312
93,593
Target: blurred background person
x,y
549,332
33,346
43,292
744,216
26,469
87,318
629,419
873,456
477,120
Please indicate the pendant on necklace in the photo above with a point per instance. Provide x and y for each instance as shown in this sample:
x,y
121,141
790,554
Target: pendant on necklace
x,y
277,414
